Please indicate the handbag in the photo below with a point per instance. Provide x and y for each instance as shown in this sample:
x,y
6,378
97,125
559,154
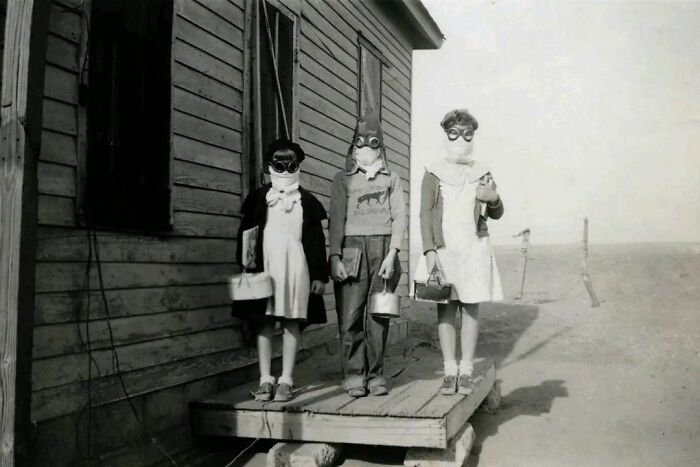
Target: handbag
x,y
433,290
250,286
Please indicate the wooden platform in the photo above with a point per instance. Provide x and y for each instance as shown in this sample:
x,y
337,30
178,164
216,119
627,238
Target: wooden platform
x,y
413,414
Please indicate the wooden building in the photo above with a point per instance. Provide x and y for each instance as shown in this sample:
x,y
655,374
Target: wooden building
x,y
151,124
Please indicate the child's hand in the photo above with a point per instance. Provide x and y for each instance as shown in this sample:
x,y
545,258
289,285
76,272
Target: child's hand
x,y
338,273
387,268
318,287
432,261
486,191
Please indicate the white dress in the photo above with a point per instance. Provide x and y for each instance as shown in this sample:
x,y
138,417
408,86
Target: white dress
x,y
467,260
285,261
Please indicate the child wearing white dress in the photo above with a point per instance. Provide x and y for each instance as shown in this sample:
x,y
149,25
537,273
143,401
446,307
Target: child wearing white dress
x,y
457,196
290,246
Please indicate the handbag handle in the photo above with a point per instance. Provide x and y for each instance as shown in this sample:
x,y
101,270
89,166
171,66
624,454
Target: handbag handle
x,y
434,276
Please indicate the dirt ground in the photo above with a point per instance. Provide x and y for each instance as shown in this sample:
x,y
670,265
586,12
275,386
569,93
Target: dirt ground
x,y
610,386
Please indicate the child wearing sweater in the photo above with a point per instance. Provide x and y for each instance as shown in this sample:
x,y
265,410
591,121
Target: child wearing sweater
x,y
367,213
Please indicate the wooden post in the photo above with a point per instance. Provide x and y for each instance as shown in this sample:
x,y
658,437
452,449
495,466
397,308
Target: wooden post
x,y
524,244
20,139
584,262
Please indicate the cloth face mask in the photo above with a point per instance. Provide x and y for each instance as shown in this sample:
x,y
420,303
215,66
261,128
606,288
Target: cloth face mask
x,y
366,156
459,150
283,180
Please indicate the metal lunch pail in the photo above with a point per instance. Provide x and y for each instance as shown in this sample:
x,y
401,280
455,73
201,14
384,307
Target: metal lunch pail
x,y
385,304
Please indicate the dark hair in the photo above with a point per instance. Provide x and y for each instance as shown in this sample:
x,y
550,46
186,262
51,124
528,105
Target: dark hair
x,y
459,117
283,146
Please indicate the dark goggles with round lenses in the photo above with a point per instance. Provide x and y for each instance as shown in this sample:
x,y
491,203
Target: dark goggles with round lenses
x,y
371,141
454,133
284,166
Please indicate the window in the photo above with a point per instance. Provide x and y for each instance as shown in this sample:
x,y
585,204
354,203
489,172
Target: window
x,y
127,182
370,81
274,78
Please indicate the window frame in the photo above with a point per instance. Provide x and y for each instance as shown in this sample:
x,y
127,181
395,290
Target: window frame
x,y
252,165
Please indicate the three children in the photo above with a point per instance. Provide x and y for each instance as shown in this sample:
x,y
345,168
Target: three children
x,y
368,218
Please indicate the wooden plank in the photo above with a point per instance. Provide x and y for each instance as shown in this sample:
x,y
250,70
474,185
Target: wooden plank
x,y
60,244
193,57
56,210
207,19
61,339
227,49
204,154
208,177
326,40
56,179
313,67
204,109
208,201
206,132
61,85
311,47
57,371
238,362
327,91
54,308
64,23
228,11
317,166
315,12
60,277
341,117
206,225
60,117
62,53
200,83
389,431
325,132
23,50
442,406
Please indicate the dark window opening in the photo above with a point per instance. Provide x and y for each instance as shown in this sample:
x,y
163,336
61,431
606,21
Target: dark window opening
x,y
275,52
128,159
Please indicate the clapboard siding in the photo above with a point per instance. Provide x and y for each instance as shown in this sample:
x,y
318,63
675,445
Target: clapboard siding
x,y
165,296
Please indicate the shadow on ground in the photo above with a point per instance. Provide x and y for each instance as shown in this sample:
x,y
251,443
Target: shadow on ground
x,y
532,401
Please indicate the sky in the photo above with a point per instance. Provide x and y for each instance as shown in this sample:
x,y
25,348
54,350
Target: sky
x,y
585,109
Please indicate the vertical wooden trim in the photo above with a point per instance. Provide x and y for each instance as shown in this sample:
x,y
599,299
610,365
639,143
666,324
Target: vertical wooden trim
x,y
82,138
248,144
171,135
295,84
257,105
20,141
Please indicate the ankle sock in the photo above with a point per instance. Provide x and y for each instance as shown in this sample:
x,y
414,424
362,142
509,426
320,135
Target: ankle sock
x,y
466,367
267,379
450,367
285,380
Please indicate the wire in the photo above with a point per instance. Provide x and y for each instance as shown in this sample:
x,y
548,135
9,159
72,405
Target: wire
x,y
247,448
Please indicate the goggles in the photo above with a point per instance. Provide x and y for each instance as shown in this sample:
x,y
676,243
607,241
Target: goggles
x,y
371,141
454,133
284,166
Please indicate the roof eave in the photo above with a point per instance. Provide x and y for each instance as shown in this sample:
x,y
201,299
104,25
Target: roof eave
x,y
429,35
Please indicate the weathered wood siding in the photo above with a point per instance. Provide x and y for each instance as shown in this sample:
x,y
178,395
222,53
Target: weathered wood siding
x,y
170,315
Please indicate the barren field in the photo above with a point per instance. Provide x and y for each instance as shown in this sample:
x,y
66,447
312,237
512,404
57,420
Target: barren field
x,y
610,386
